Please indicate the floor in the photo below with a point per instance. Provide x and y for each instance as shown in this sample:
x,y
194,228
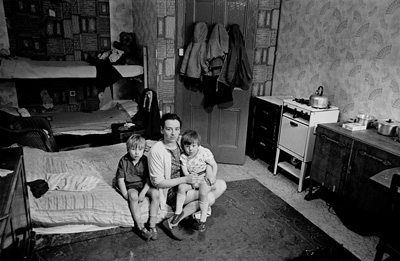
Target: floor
x,y
315,210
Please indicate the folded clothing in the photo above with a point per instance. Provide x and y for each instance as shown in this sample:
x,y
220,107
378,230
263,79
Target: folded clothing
x,y
68,182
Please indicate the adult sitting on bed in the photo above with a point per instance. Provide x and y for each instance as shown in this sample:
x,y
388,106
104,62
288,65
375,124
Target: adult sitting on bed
x,y
165,173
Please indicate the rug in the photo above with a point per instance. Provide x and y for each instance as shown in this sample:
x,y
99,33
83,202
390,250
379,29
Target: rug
x,y
248,222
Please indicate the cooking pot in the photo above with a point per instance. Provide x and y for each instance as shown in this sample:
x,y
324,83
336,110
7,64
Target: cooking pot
x,y
365,120
388,127
318,100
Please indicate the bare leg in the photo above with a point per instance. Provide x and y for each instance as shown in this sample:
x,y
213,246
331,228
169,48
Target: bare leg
x,y
154,197
133,197
204,190
181,197
192,198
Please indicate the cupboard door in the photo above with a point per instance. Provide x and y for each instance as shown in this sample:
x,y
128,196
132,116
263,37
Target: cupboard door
x,y
366,161
331,159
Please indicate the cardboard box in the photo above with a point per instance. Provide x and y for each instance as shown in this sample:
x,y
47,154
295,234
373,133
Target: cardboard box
x,y
354,126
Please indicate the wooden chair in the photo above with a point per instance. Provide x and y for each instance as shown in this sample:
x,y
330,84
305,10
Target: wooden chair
x,y
34,131
389,241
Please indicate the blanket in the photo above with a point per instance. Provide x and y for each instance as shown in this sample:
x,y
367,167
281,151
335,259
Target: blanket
x,y
101,206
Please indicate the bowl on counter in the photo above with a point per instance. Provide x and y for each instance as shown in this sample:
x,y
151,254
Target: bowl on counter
x,y
365,120
388,127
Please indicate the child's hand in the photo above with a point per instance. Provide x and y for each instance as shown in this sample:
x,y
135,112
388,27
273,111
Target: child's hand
x,y
211,178
141,197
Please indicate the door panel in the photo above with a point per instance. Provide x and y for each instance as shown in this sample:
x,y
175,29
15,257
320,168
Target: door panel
x,y
224,128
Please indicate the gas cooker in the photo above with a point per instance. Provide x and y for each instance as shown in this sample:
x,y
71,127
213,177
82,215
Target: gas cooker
x,y
297,134
301,104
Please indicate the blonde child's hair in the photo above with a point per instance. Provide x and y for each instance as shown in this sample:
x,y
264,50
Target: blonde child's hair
x,y
135,141
189,137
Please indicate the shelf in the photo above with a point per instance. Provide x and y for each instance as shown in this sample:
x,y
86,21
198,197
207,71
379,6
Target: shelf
x,y
289,168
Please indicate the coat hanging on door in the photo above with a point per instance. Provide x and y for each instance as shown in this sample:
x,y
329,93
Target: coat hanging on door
x,y
194,61
217,50
236,71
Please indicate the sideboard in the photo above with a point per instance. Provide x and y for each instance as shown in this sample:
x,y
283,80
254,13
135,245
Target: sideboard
x,y
344,161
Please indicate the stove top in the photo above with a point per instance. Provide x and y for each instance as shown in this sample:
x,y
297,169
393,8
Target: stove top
x,y
302,103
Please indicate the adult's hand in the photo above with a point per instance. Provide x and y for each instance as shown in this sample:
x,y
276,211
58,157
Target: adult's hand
x,y
192,179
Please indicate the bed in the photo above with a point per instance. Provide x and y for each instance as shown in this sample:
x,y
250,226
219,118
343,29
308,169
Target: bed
x,y
77,123
95,122
92,203
23,68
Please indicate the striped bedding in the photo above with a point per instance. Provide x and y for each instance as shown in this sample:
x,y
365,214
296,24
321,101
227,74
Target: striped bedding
x,y
101,206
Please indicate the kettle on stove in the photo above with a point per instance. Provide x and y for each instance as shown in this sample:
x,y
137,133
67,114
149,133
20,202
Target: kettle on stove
x,y
318,100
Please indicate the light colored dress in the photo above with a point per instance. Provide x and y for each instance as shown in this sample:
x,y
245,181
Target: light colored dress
x,y
197,164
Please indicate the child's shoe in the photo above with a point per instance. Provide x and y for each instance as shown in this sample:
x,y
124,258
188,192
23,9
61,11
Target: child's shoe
x,y
145,234
154,234
201,227
176,218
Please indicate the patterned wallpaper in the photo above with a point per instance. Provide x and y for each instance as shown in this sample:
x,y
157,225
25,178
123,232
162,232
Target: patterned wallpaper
x,y
350,47
144,15
57,30
265,46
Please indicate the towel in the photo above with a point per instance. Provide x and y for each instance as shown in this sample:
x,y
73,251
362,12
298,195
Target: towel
x,y
68,182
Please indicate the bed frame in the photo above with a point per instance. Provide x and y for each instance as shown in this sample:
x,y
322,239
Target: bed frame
x,y
30,69
76,123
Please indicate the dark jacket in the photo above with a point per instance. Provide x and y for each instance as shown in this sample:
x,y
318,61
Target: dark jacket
x,y
236,71
148,115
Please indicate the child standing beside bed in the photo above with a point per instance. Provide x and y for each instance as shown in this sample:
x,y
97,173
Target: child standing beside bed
x,y
134,184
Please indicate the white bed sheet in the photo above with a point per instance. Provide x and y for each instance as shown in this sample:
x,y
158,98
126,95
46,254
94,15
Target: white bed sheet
x,y
31,69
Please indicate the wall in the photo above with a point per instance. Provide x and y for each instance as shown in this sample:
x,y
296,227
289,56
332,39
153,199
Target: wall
x,y
350,47
58,30
144,15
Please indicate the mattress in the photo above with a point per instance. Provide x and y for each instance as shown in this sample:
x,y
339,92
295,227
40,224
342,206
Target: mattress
x,y
31,69
102,206
96,122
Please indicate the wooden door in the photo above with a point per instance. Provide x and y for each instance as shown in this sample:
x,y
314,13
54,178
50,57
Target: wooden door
x,y
331,159
224,128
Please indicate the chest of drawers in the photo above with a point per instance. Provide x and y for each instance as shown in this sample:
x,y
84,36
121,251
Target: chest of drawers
x,y
264,128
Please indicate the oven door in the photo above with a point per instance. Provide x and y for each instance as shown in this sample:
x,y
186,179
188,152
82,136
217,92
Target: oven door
x,y
293,135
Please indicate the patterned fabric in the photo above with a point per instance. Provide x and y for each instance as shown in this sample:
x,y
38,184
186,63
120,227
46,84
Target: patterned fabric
x,y
175,163
198,163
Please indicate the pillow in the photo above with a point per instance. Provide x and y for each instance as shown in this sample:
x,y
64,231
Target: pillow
x,y
15,111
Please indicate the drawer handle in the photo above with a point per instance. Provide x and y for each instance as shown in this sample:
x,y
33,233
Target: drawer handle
x,y
293,124
384,162
262,144
340,144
